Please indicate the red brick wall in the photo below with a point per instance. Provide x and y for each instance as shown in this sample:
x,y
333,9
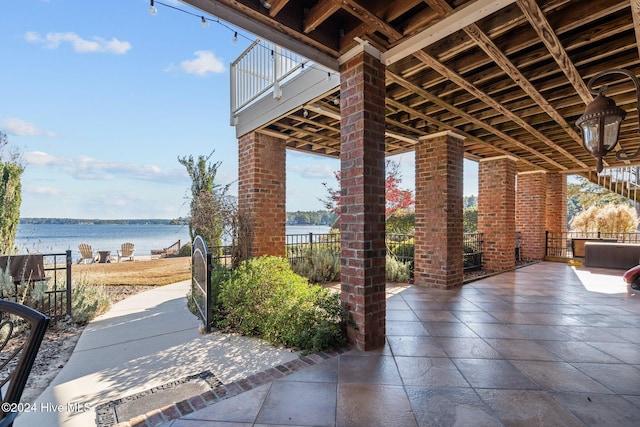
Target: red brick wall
x,y
531,203
262,192
496,212
556,218
439,224
362,219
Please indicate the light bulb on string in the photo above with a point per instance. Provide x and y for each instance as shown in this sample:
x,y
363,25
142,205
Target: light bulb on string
x,y
234,40
205,23
152,9
273,55
305,113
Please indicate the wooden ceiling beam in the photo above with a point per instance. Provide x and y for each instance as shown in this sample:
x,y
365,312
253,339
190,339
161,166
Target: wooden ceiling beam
x,y
444,126
276,6
452,22
488,46
540,24
433,98
369,18
635,11
319,13
432,62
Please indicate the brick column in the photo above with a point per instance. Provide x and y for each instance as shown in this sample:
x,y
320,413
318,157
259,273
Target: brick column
x,y
262,192
496,212
439,224
556,218
362,201
531,202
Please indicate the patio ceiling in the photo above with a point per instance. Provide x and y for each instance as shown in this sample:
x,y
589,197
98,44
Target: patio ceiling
x,y
509,75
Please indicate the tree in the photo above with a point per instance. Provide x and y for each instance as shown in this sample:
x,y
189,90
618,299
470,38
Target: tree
x,y
399,202
470,219
609,218
10,196
210,204
584,194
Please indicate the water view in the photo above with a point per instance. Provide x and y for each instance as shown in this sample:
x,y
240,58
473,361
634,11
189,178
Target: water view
x,y
57,238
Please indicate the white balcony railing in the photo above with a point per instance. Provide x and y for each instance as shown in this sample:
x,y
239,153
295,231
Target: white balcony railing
x,y
623,180
261,69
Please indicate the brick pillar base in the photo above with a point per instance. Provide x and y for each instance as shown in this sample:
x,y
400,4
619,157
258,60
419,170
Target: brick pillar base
x,y
439,224
262,193
531,201
362,201
496,212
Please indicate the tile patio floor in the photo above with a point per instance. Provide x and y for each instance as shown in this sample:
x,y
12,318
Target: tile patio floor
x,y
547,344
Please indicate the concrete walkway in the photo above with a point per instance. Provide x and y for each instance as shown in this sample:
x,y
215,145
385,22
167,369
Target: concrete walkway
x,y
144,342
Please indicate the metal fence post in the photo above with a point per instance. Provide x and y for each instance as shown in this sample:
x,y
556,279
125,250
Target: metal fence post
x,y
69,263
207,304
546,242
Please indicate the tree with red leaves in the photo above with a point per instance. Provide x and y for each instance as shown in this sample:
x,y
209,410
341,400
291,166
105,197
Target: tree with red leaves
x,y
398,201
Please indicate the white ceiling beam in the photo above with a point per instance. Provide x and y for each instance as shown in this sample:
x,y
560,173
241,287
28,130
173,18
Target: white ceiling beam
x,y
457,20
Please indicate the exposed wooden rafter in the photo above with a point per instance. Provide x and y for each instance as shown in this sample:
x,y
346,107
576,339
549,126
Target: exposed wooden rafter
x,y
507,74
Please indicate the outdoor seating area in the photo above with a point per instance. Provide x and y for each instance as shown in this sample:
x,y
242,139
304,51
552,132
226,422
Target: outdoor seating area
x,y
126,250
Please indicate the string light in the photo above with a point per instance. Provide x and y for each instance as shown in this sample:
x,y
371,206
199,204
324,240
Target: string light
x,y
305,113
234,40
152,9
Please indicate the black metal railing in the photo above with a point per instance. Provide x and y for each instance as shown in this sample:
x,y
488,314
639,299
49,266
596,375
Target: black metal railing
x,y
201,281
562,244
300,245
472,247
401,246
43,282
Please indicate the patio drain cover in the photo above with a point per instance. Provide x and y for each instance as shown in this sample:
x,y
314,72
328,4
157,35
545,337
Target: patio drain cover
x,y
124,409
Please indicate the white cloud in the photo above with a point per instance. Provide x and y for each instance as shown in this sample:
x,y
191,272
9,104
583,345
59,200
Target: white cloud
x,y
205,63
88,168
50,191
80,45
319,171
19,127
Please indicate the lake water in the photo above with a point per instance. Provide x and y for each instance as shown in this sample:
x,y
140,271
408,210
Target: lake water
x,y
57,238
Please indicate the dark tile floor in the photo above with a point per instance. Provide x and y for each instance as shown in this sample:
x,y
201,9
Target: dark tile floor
x,y
542,345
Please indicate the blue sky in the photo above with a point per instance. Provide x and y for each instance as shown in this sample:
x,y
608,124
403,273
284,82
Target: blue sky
x,y
101,98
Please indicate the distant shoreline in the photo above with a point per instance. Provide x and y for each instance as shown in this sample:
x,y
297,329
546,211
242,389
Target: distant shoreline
x,y
178,221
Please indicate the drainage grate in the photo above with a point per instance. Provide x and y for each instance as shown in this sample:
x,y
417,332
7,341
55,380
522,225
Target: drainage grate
x,y
124,409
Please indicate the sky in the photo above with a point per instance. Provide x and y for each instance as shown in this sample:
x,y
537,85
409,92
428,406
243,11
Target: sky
x,y
100,99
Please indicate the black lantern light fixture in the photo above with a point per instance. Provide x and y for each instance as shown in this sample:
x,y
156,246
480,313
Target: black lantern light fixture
x,y
600,123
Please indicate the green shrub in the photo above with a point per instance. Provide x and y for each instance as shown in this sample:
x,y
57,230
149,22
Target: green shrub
x,y
319,266
185,250
264,297
397,271
88,301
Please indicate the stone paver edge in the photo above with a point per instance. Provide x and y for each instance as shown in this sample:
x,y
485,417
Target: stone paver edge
x,y
179,409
